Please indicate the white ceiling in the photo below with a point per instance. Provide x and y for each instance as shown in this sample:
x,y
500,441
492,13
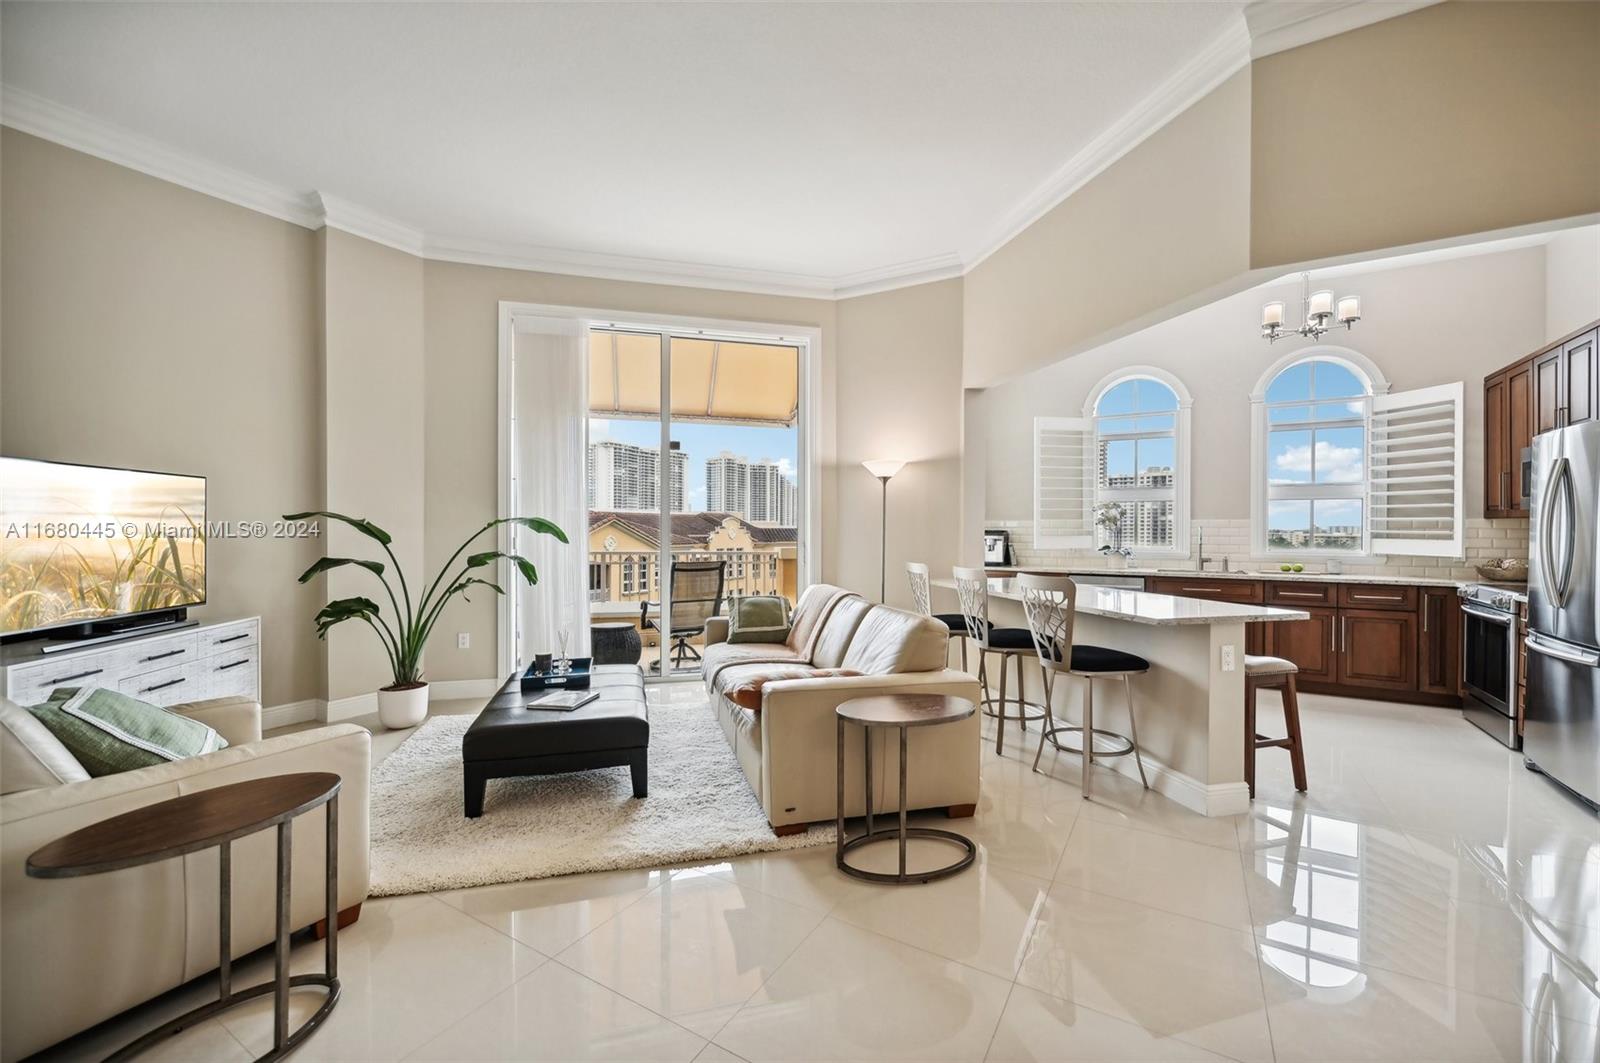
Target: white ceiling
x,y
826,141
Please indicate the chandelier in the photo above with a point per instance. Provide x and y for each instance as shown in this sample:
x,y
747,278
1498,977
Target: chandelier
x,y
1320,314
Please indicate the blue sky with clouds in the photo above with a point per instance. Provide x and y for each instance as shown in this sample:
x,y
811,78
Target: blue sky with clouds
x,y
703,441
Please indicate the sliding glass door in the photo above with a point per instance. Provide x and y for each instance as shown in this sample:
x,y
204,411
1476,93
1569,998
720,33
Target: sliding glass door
x,y
694,481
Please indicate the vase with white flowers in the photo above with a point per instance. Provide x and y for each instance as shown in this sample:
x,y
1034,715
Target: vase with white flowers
x,y
404,702
1108,517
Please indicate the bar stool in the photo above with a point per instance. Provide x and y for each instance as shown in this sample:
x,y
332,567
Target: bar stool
x,y
1050,603
917,573
972,590
1265,673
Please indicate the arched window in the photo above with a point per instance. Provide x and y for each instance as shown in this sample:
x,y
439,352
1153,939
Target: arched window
x,y
1138,447
1119,475
1317,414
1343,467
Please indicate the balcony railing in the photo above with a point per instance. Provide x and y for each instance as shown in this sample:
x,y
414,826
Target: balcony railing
x,y
630,577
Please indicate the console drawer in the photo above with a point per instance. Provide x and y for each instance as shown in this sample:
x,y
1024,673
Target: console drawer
x,y
164,686
30,684
223,638
149,654
231,675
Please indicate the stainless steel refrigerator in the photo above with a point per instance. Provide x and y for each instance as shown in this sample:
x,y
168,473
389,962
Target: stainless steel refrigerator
x,y
1561,733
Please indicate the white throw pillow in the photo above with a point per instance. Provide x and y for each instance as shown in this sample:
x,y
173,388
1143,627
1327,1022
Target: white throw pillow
x,y
31,758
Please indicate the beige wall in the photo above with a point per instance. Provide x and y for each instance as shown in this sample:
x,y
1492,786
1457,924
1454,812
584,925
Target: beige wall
x,y
1458,118
149,326
899,397
1572,281
461,327
1167,221
373,431
1413,330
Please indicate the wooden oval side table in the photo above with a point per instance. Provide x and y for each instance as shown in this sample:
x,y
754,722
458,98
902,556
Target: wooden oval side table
x,y
903,712
197,821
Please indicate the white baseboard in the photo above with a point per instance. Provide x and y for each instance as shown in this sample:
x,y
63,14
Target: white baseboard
x,y
453,689
351,707
1216,799
292,712
445,690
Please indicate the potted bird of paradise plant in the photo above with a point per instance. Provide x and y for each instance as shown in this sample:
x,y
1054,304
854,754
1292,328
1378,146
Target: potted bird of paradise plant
x,y
404,636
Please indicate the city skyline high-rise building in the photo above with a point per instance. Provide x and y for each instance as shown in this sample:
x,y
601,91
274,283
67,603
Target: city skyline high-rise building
x,y
623,476
759,491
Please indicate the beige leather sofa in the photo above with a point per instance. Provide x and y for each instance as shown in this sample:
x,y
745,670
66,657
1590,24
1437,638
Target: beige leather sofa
x,y
74,952
786,740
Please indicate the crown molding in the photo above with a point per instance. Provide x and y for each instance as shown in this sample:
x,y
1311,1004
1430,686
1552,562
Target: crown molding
x,y
1278,25
887,278
35,115
1267,26
1225,55
341,214
606,266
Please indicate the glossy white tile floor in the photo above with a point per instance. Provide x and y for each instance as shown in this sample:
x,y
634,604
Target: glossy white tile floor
x,y
1428,900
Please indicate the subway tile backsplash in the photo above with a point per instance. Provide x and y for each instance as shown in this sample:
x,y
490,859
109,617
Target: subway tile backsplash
x,y
1485,540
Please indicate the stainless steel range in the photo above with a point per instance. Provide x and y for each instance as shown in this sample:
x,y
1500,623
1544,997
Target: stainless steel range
x,y
1489,658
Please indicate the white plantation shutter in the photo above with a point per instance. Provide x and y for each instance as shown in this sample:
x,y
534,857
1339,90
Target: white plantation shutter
x,y
1417,470
1063,482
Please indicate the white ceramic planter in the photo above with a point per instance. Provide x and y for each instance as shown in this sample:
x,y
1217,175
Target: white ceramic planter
x,y
398,709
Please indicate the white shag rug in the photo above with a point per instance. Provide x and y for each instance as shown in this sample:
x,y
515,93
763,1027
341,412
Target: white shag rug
x,y
700,807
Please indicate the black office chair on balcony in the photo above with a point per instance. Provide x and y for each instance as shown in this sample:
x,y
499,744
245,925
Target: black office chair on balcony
x,y
696,597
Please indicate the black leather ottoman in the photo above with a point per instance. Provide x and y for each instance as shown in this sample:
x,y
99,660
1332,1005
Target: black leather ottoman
x,y
508,740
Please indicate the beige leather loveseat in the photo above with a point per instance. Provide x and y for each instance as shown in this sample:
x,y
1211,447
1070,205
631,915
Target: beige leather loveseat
x,y
74,952
776,703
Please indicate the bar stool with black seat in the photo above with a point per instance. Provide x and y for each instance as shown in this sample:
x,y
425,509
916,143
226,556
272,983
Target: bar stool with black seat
x,y
1265,673
917,573
972,591
1050,603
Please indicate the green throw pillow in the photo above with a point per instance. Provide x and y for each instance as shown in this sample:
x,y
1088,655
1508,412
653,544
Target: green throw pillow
x,y
110,732
759,618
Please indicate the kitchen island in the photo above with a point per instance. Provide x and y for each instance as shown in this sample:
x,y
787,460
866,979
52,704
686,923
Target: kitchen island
x,y
1191,703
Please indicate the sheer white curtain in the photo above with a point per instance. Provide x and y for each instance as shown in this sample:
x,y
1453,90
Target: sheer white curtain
x,y
551,381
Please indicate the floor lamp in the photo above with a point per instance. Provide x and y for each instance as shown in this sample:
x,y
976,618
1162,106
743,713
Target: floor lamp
x,y
884,470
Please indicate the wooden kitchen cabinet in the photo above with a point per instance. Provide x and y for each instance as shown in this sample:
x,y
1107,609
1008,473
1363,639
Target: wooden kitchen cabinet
x,y
1496,445
1394,642
1301,594
1310,644
1377,596
1549,389
1221,590
1508,424
1519,432
1578,378
1439,642
1547,398
1377,649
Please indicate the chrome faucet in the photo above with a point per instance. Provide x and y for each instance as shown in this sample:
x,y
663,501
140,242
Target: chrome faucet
x,y
1200,549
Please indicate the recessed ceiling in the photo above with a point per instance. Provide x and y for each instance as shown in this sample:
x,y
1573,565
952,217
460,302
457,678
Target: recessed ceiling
x,y
810,139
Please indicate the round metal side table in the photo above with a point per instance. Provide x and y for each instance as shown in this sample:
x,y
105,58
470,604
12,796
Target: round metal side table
x,y
903,712
198,821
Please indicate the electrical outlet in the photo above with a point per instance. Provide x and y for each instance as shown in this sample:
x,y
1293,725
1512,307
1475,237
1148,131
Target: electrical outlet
x,y
463,641
1227,658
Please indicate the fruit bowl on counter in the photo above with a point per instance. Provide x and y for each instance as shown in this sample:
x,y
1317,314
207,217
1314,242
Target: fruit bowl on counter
x,y
1504,570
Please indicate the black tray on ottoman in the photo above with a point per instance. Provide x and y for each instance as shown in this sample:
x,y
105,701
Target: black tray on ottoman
x,y
509,740
577,678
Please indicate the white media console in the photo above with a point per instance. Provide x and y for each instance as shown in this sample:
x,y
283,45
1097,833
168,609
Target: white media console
x,y
187,664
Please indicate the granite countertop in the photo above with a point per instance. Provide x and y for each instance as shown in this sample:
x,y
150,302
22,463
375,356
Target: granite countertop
x,y
1308,577
1143,607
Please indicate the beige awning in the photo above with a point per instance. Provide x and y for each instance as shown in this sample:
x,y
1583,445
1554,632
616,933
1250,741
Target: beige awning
x,y
712,380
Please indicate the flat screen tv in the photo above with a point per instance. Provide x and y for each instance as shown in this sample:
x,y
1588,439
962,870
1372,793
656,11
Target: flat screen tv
x,y
84,546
